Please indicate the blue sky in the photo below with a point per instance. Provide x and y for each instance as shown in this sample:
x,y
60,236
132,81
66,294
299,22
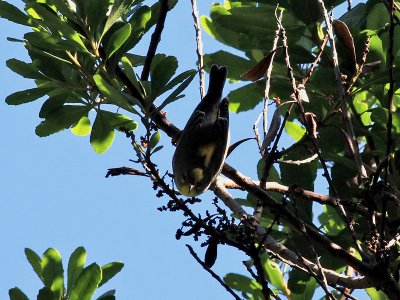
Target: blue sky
x,y
54,193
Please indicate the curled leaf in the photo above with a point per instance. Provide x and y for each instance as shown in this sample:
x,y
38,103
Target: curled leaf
x,y
343,34
302,93
273,129
235,145
260,68
312,124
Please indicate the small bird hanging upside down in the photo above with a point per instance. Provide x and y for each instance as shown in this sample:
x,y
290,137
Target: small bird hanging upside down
x,y
202,147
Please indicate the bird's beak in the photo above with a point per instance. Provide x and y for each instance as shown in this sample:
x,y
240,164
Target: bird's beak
x,y
191,187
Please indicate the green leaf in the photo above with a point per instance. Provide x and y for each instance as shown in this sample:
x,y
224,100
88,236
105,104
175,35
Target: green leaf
x,y
273,173
96,12
57,24
82,128
376,295
86,283
46,294
65,9
154,139
301,285
109,295
295,130
17,294
75,266
35,261
378,17
246,97
236,65
60,119
13,14
24,69
128,68
274,274
117,39
187,78
119,9
53,272
102,135
26,96
112,94
139,21
110,270
332,221
50,42
118,121
161,75
242,283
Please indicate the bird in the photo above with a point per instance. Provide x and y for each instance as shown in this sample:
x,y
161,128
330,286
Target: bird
x,y
202,147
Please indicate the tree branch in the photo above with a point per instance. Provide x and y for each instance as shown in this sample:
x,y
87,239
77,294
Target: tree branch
x,y
155,39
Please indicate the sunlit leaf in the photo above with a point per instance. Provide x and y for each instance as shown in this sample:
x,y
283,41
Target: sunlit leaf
x,y
75,266
102,135
61,118
154,139
117,39
274,274
35,261
53,272
295,130
110,270
82,128
86,283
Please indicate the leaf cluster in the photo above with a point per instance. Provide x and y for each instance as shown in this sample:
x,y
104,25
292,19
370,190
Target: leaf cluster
x,y
81,282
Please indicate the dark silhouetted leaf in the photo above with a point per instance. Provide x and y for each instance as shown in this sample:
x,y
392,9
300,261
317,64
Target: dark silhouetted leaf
x,y
211,253
17,294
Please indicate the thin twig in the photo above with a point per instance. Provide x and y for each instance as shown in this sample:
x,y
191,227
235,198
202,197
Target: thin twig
x,y
299,162
255,130
278,16
199,47
213,274
155,39
316,60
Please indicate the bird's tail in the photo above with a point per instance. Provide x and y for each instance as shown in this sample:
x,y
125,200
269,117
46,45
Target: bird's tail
x,y
216,81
